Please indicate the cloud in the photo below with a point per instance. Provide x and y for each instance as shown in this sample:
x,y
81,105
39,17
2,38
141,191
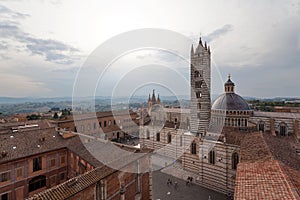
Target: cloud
x,y
218,32
8,13
52,50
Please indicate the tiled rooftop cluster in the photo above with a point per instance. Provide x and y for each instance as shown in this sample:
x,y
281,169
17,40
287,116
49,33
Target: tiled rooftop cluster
x,y
260,176
20,142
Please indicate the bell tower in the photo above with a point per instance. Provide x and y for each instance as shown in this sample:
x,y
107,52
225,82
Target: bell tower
x,y
200,88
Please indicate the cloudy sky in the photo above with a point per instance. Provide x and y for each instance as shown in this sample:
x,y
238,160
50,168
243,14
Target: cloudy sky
x,y
43,43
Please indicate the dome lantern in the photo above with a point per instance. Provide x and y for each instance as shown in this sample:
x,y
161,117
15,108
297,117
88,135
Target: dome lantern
x,y
229,85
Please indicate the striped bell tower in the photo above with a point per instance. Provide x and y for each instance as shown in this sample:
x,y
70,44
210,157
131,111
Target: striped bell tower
x,y
200,89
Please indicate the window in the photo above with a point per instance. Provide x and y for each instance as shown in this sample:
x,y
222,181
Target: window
x,y
180,140
52,163
114,122
5,176
198,95
100,125
261,126
211,157
109,123
193,148
62,160
62,176
157,137
95,125
89,127
199,106
37,164
169,138
37,183
198,84
148,134
100,190
19,172
4,196
235,160
199,115
197,74
282,129
82,128
104,123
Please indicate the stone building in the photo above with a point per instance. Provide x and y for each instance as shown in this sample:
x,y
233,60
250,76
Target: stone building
x,y
209,146
200,88
105,125
230,109
153,101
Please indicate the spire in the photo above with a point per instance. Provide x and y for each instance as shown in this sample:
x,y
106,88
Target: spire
x,y
228,76
205,45
153,97
158,99
149,98
200,41
192,50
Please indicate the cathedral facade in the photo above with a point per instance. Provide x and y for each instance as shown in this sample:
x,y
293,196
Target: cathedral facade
x,y
208,146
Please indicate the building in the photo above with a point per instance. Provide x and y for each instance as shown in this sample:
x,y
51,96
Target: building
x,y
200,89
106,125
210,147
153,101
41,161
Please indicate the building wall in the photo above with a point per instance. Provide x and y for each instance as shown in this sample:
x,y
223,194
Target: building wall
x,y
18,186
273,124
106,126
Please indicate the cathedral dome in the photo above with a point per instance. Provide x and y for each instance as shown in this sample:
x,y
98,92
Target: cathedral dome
x,y
230,101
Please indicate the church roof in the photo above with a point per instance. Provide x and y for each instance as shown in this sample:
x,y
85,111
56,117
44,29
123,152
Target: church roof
x,y
230,101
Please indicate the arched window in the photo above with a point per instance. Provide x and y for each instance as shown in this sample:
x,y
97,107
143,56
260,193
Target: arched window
x,y
261,126
148,134
193,148
37,183
157,137
282,129
197,74
169,139
235,160
212,157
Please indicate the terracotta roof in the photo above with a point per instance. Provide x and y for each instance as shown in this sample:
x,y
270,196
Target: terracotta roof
x,y
33,141
263,180
284,149
260,176
254,148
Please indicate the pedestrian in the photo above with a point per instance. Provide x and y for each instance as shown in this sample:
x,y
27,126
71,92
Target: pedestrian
x,y
175,185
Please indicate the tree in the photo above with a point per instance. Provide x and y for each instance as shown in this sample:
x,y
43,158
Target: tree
x,y
55,116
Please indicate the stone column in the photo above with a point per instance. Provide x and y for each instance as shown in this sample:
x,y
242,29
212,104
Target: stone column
x,y
272,127
296,128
